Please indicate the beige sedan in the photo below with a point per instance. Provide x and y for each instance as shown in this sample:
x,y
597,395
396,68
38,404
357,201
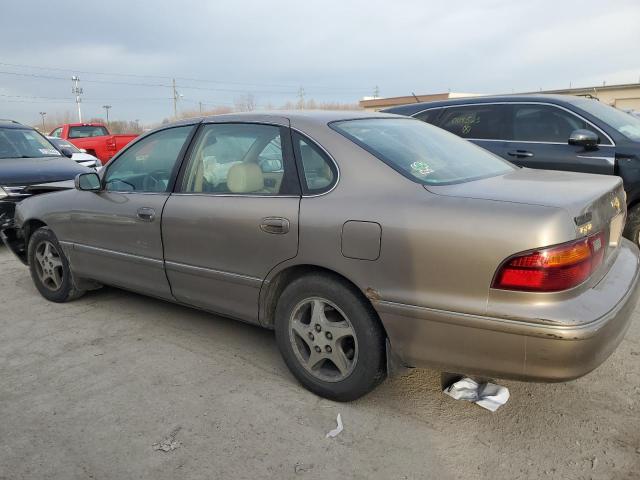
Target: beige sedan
x,y
361,239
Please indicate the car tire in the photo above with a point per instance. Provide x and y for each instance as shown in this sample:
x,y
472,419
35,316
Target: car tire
x,y
49,268
632,227
329,317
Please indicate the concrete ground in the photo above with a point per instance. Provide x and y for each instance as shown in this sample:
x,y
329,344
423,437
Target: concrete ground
x,y
93,389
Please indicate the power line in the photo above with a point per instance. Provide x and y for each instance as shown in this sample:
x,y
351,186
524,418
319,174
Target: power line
x,y
167,77
138,84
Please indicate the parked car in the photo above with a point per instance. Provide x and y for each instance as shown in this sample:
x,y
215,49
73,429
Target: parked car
x,y
380,240
80,156
557,132
93,138
28,160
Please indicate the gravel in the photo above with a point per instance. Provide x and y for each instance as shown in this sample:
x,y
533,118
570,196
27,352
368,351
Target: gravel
x,y
117,385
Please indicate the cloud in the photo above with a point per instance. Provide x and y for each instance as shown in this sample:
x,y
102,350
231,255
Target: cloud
x,y
336,50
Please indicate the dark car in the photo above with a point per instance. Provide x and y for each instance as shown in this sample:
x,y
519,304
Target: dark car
x,y
28,159
555,132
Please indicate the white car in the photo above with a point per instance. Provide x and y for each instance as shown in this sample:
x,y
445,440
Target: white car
x,y
80,156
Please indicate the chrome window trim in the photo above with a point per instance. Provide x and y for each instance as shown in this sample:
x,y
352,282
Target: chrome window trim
x,y
613,144
214,194
134,192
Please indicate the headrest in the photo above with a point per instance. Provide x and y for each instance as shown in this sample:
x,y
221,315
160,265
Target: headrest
x,y
245,177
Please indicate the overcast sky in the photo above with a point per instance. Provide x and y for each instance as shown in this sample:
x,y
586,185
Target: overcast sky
x,y
337,50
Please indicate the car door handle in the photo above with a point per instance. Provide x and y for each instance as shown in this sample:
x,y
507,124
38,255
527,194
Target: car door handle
x,y
147,214
277,225
520,153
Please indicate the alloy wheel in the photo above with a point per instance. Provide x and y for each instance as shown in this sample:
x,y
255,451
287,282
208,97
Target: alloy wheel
x,y
49,265
323,339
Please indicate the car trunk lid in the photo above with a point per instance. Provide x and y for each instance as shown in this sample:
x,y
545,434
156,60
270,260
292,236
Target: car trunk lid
x,y
594,202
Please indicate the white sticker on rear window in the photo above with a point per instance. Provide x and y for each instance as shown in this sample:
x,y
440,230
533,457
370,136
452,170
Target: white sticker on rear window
x,y
421,168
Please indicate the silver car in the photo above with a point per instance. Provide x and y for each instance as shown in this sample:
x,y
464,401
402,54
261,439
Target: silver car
x,y
364,240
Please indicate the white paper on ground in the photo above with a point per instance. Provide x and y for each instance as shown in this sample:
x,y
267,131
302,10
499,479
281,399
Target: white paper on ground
x,y
487,395
336,430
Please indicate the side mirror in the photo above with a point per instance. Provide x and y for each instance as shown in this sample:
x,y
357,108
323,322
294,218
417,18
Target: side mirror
x,y
89,182
584,138
67,152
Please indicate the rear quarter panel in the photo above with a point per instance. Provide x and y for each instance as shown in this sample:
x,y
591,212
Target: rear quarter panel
x,y
439,252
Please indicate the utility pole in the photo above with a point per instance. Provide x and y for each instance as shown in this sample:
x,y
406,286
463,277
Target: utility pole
x,y
175,99
77,91
42,114
376,92
301,98
106,109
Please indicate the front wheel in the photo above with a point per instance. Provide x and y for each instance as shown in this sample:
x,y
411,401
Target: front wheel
x,y
330,337
50,268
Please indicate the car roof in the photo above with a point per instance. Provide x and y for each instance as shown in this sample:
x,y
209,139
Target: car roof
x,y
414,108
6,123
319,117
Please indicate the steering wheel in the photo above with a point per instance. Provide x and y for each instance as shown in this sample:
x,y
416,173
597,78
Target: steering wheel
x,y
153,180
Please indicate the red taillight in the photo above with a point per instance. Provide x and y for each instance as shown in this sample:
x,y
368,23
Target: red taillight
x,y
111,143
554,268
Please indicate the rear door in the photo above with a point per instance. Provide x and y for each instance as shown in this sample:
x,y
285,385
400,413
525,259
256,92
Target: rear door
x,y
486,125
233,216
539,139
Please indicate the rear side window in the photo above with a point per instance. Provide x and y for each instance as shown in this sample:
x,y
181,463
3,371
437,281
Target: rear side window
x,y
86,131
429,116
545,123
319,173
240,158
477,121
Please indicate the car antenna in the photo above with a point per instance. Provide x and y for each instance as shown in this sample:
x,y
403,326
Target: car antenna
x,y
416,97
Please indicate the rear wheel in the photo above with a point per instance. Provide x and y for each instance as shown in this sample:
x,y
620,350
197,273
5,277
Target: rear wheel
x,y
330,337
632,228
50,268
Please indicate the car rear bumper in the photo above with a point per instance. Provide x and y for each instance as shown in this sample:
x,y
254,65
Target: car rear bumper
x,y
517,349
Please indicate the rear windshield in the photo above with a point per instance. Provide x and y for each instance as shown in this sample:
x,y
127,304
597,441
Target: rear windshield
x,y
24,143
87,131
422,152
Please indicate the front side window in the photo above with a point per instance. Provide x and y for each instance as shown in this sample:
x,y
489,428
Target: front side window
x,y
147,165
239,158
24,143
319,172
545,123
476,121
87,131
56,133
421,152
627,125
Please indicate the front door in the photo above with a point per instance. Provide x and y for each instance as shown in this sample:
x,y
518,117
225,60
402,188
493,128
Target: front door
x,y
233,217
117,236
539,139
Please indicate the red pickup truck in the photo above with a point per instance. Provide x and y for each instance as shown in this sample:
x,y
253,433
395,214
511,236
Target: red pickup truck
x,y
94,138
